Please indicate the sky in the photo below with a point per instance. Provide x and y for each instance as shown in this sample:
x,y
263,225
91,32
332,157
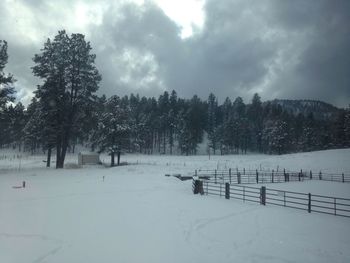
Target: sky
x,y
280,49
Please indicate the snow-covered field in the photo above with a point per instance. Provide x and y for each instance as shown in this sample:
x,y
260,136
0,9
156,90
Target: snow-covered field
x,y
139,215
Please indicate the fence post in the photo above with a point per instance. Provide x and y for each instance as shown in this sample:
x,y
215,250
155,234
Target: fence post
x,y
198,187
320,175
243,171
239,178
335,206
343,177
257,176
284,173
263,195
299,175
24,184
309,204
272,177
215,177
310,175
243,193
227,191
229,174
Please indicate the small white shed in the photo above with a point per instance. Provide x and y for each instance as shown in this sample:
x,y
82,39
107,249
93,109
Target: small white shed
x,y
88,158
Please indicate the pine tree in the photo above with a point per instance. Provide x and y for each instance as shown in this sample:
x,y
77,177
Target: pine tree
x,y
163,108
212,122
6,80
70,79
227,127
347,128
172,119
33,131
6,94
309,136
185,137
113,135
17,125
255,111
278,137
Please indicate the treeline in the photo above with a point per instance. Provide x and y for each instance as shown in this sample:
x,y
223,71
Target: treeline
x,y
170,125
66,112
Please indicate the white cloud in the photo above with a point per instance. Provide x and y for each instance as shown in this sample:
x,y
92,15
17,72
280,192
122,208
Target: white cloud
x,y
188,14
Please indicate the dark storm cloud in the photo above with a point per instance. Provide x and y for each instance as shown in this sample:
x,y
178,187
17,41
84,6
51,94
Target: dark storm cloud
x,y
215,60
141,43
232,53
284,49
324,62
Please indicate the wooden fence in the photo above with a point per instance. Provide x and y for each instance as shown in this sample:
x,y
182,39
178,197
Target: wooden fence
x,y
235,176
267,196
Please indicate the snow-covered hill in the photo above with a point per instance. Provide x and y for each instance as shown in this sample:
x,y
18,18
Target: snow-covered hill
x,y
319,109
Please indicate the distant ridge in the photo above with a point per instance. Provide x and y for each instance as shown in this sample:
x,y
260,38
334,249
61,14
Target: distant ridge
x,y
319,109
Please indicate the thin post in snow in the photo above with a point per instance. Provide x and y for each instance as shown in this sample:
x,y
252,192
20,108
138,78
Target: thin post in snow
x,y
243,193
301,174
227,191
263,195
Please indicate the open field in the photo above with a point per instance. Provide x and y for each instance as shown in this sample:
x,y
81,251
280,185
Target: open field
x,y
136,214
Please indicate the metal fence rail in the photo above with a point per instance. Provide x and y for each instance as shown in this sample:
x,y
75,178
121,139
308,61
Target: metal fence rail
x,y
267,196
243,176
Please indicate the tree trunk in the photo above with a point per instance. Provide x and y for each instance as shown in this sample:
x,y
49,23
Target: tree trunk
x,y
48,161
112,159
118,159
164,143
159,140
171,141
63,153
58,154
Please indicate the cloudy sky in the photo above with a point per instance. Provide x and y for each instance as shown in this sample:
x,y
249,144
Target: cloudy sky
x,y
281,49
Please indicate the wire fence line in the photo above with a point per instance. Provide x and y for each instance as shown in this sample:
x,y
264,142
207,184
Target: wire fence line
x,y
243,176
267,196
